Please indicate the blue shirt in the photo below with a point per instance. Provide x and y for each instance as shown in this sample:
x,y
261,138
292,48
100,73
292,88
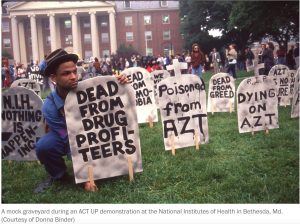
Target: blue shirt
x,y
54,115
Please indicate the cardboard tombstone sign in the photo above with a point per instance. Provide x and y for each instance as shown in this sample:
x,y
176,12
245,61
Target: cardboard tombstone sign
x,y
182,103
142,84
292,76
295,100
22,123
157,76
221,93
280,74
257,104
33,72
102,128
28,84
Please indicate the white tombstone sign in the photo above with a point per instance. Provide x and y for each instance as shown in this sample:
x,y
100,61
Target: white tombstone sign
x,y
102,128
33,73
22,123
144,94
157,76
280,74
295,100
182,103
221,93
28,84
292,78
257,104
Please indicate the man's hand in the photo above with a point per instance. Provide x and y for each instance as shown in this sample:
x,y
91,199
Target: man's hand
x,y
122,78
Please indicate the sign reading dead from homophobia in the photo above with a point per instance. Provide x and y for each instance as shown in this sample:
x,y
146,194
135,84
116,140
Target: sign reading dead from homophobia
x,y
102,128
22,123
221,93
257,104
28,84
141,82
280,74
295,100
157,76
182,103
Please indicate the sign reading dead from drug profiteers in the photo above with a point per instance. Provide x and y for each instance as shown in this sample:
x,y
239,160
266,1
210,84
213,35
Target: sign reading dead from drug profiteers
x,y
102,128
221,93
22,123
257,104
28,84
182,103
143,86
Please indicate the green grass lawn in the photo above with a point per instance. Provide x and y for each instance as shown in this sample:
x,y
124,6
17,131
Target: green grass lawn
x,y
231,168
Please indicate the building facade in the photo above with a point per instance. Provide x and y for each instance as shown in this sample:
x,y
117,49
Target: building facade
x,y
31,30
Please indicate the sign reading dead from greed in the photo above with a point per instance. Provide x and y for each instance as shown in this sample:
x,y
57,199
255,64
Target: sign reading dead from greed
x,y
142,84
295,100
221,93
28,84
102,128
257,104
157,76
182,103
280,74
22,123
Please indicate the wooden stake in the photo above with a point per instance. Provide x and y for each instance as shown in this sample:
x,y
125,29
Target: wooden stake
x,y
172,143
130,168
196,139
212,109
230,107
150,120
90,186
252,132
267,130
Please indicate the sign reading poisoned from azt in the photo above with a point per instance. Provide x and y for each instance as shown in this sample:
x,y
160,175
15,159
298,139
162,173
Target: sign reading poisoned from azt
x,y
142,84
103,129
280,74
22,123
157,76
257,104
28,84
182,103
221,93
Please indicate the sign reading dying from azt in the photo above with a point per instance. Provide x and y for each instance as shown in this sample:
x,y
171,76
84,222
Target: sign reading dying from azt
x,y
103,129
144,94
28,84
257,104
221,93
295,100
22,123
182,103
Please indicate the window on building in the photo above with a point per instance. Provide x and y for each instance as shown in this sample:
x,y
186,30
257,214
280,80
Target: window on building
x,y
87,38
166,35
6,43
68,23
104,23
48,40
46,24
88,54
128,20
68,39
126,4
166,19
86,23
104,38
149,52
147,20
129,36
105,53
148,35
5,26
163,3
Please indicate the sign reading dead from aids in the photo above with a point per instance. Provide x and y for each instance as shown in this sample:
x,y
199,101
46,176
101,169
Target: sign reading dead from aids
x,y
22,123
280,74
142,84
257,104
102,128
28,84
221,93
182,103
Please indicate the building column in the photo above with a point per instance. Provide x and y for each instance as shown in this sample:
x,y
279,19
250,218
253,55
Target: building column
x,y
41,39
112,32
22,43
52,31
34,39
94,34
75,32
15,38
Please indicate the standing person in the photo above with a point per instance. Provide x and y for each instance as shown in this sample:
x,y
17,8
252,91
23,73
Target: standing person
x,y
215,59
280,53
6,73
249,57
268,57
296,55
290,60
197,60
50,148
231,56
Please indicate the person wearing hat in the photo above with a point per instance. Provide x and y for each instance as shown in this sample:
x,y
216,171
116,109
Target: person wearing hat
x,y
50,148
